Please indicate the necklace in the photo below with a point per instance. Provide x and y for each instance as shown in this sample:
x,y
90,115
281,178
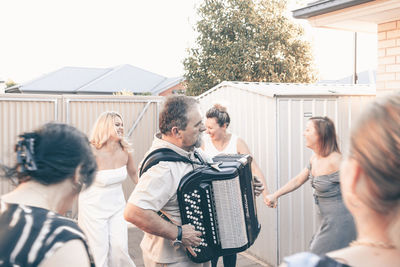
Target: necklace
x,y
369,243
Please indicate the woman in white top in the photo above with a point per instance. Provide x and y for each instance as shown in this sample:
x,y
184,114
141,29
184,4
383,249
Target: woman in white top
x,y
219,141
101,207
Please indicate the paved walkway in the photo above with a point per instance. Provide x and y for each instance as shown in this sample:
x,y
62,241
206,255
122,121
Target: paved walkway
x,y
135,236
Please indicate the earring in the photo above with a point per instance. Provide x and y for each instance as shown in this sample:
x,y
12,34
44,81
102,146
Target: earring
x,y
77,186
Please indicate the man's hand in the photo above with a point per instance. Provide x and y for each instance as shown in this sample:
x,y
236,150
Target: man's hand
x,y
190,238
258,186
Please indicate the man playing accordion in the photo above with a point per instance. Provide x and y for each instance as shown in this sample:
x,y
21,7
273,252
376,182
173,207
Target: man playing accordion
x,y
166,240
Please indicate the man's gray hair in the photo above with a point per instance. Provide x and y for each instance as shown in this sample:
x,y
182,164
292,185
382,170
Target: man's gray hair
x,y
174,112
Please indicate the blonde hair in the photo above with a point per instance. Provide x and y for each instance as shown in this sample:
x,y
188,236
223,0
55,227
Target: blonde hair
x,y
103,129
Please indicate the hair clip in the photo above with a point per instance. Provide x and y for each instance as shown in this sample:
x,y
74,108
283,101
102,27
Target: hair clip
x,y
25,153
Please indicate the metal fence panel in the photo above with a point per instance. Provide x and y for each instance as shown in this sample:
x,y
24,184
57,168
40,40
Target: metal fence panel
x,y
20,114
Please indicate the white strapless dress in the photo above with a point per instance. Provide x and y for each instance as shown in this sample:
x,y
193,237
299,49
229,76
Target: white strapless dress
x,y
100,215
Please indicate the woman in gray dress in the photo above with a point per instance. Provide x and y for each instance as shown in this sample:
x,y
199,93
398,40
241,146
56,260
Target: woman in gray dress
x,y
337,228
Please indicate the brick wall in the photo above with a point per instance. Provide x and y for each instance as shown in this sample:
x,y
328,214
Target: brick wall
x,y
180,87
388,73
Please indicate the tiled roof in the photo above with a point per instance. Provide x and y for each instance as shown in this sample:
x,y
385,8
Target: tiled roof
x,y
99,81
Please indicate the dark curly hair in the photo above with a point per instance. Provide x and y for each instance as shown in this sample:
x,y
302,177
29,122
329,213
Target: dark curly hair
x,y
220,114
52,154
174,113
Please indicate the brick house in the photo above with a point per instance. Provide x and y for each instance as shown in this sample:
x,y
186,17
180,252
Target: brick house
x,y
179,88
381,17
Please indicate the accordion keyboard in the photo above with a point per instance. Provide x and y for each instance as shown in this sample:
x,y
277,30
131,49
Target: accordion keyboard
x,y
201,216
215,209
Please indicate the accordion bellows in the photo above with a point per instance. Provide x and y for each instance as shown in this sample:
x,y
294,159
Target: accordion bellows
x,y
220,203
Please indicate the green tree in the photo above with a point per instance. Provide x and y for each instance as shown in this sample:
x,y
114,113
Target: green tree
x,y
245,40
124,92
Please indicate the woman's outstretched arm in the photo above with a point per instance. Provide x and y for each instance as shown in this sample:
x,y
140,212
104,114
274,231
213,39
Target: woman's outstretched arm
x,y
272,199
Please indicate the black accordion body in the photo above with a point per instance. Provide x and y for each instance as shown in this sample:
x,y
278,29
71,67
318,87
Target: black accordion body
x,y
221,205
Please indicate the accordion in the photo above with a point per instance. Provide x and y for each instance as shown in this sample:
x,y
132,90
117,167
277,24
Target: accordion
x,y
220,203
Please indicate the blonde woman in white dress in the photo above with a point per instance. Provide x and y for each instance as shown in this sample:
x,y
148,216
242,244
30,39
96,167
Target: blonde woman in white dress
x,y
101,207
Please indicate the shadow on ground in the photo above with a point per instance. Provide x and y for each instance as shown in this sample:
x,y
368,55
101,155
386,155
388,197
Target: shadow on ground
x,y
135,235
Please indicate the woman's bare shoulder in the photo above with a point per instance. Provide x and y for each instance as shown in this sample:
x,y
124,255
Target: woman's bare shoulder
x,y
312,158
335,158
336,155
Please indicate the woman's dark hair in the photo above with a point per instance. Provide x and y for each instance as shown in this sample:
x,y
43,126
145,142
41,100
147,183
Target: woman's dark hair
x,y
220,114
175,113
327,135
52,154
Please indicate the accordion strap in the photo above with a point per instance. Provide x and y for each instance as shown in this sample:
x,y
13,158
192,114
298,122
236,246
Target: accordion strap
x,y
166,217
166,154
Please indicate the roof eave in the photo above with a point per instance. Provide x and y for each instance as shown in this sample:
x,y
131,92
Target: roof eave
x,y
321,8
47,92
12,90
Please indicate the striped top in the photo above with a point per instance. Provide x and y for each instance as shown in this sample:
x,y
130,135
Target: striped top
x,y
29,235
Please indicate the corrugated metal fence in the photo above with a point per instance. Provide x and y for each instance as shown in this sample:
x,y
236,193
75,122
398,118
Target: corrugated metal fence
x,y
269,119
21,113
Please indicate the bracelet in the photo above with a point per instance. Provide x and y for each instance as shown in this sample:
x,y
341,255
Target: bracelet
x,y
179,237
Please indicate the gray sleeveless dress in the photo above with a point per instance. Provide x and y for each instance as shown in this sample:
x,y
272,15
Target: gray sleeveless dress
x,y
337,227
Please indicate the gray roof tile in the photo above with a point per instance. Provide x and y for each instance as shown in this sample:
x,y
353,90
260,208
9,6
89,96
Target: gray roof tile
x,y
99,80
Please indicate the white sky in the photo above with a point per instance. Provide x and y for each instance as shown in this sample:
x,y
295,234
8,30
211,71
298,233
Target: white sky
x,y
41,36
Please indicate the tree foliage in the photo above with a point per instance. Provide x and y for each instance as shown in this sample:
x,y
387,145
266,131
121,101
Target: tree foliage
x,y
10,83
125,92
245,40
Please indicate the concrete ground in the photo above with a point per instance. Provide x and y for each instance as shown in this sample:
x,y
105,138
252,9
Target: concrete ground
x,y
135,236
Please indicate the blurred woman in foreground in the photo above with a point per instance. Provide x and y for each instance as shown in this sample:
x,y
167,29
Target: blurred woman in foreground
x,y
53,163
